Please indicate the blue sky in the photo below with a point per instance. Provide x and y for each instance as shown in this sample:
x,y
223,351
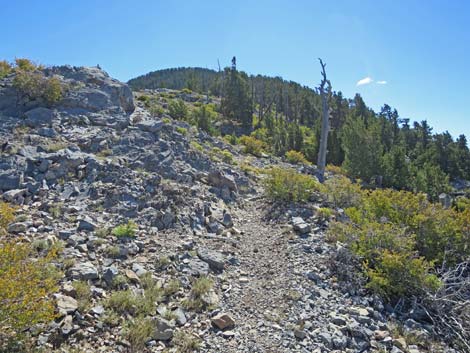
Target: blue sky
x,y
420,48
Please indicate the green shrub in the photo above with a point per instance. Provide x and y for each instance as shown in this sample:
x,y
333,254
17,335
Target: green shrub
x,y
401,237
33,85
288,185
462,204
335,169
185,342
227,157
397,276
231,139
7,216
252,145
156,110
199,290
325,212
52,90
144,98
197,146
5,68
83,295
296,157
126,230
339,191
172,287
138,332
25,64
28,84
122,302
166,121
178,110
182,130
27,283
204,118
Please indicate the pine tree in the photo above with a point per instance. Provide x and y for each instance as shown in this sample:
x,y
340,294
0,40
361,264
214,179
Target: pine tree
x,y
236,100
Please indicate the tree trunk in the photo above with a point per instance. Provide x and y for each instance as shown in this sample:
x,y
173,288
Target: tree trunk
x,y
321,163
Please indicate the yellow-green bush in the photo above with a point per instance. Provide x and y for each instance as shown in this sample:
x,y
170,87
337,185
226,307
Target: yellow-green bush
x,y
335,169
26,285
296,157
7,215
24,64
252,145
462,204
138,332
178,110
181,130
227,157
401,237
5,68
126,230
200,289
288,185
52,90
33,85
397,275
341,192
441,234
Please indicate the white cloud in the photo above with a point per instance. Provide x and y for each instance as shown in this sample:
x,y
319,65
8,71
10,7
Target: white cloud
x,y
381,82
364,81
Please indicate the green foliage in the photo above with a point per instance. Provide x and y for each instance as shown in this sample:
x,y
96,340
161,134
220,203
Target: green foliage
x,y
204,118
252,145
289,186
401,237
128,302
231,139
185,342
431,180
227,157
52,90
178,110
33,85
27,283
197,146
379,147
138,332
83,294
126,230
398,276
335,169
172,287
462,204
7,215
144,98
182,130
296,157
5,68
362,150
25,64
201,287
341,192
325,212
236,101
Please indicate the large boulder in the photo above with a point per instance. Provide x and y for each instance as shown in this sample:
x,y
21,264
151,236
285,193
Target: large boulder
x,y
221,179
98,90
39,117
89,94
9,180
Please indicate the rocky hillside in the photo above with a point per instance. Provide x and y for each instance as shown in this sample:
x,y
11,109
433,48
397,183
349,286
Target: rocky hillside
x,y
167,241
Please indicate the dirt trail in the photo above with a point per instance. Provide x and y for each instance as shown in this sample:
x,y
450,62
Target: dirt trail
x,y
264,289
